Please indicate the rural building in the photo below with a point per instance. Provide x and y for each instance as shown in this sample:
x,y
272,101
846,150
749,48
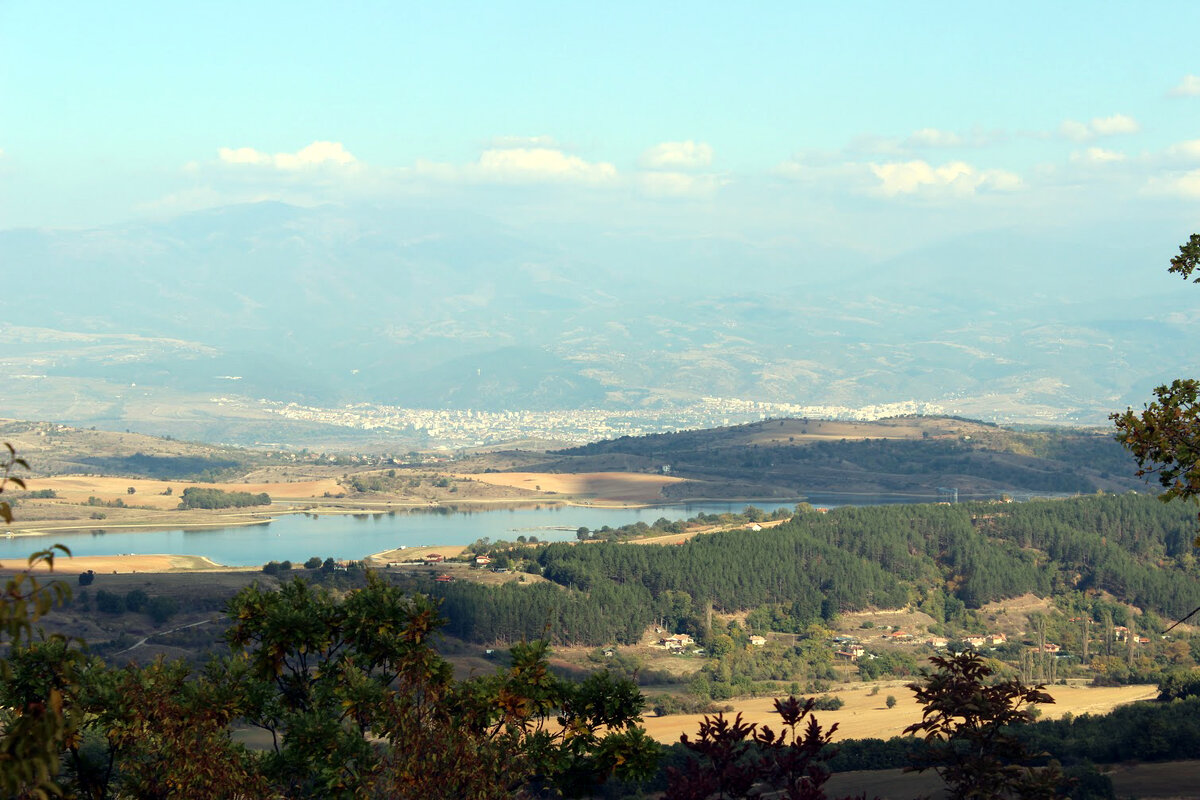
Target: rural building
x,y
851,653
758,641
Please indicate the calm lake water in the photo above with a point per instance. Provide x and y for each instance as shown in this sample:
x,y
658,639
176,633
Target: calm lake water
x,y
345,536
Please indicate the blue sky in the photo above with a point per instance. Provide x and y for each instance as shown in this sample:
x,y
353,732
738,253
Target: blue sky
x,y
881,127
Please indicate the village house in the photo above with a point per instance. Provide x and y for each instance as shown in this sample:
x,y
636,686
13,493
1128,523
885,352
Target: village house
x,y
758,641
677,641
851,652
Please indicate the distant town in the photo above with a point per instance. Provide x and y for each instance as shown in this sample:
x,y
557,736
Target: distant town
x,y
457,429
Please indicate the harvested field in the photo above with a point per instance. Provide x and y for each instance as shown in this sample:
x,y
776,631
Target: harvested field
x,y
612,487
867,716
117,564
78,488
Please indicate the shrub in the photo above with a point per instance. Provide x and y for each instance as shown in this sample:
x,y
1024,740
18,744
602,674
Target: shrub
x,y
110,603
136,599
828,702
162,609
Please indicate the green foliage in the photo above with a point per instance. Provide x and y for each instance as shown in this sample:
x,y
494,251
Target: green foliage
x,y
968,723
161,609
1188,259
828,702
110,602
1165,438
336,674
165,467
1179,684
34,726
136,599
195,497
374,481
734,759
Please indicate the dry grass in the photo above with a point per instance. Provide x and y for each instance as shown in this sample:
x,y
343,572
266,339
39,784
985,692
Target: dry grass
x,y
118,564
866,716
78,488
613,487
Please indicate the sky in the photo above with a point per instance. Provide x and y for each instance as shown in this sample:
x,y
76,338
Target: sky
x,y
878,126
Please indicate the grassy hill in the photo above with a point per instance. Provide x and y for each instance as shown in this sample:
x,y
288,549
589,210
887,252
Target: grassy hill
x,y
53,449
904,456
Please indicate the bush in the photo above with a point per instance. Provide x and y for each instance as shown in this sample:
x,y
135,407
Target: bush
x,y
110,603
86,578
162,609
828,702
195,497
313,563
136,599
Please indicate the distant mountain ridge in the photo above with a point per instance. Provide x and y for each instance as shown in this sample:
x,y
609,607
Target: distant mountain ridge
x,y
422,308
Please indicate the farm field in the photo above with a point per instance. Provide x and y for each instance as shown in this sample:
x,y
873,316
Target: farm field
x,y
866,716
599,487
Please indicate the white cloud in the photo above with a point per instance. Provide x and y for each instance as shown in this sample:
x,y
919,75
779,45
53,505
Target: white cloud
x,y
1098,155
542,164
1188,87
680,184
1114,125
522,165
1099,126
932,137
1183,185
523,141
314,155
1076,131
957,177
1185,150
678,155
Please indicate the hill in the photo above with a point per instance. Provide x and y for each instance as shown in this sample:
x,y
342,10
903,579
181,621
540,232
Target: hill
x,y
906,456
417,308
53,449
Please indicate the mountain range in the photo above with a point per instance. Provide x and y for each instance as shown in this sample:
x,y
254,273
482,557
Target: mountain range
x,y
420,308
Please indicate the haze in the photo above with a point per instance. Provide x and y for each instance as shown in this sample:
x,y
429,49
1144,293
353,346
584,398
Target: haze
x,y
209,213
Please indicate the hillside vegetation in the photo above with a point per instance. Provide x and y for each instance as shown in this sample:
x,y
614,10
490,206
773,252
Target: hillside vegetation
x,y
944,558
909,455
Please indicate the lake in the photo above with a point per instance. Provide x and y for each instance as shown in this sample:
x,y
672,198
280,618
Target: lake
x,y
296,537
